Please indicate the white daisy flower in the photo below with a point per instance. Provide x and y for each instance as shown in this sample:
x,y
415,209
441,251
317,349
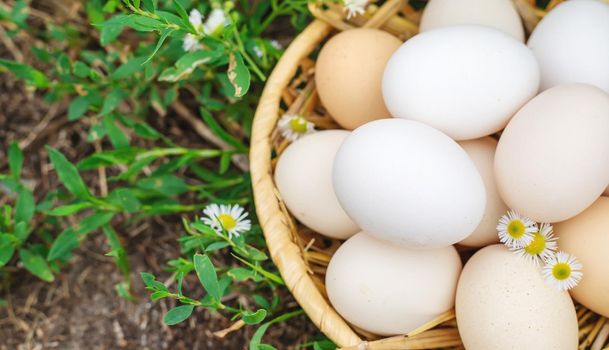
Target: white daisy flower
x,y
217,19
542,247
227,218
191,43
276,44
258,51
563,271
355,7
196,19
516,230
293,127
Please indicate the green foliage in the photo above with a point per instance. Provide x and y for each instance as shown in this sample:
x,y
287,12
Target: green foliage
x,y
120,81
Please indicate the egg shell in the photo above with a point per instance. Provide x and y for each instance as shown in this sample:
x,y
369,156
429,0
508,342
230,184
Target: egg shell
x,y
551,160
466,80
499,14
503,303
386,289
482,153
304,179
587,237
348,75
403,181
571,45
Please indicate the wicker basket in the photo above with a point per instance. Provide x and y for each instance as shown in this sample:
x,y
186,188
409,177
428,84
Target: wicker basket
x,y
300,254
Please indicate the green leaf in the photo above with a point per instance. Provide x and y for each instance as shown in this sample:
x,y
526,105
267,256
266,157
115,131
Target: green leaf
x,y
78,107
151,282
68,174
128,68
111,101
113,27
216,246
207,275
81,70
124,198
7,248
70,238
169,185
31,75
164,34
149,5
255,341
241,274
238,74
93,222
178,314
146,131
181,11
36,265
187,64
220,132
15,160
25,206
254,317
69,209
115,134
21,231
64,244
118,251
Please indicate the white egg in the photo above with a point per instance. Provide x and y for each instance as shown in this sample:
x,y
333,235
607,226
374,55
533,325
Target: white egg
x,y
304,179
466,80
482,152
572,46
403,181
503,303
387,289
499,14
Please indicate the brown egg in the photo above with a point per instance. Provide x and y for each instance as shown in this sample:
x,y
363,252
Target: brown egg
x,y
349,72
587,237
482,152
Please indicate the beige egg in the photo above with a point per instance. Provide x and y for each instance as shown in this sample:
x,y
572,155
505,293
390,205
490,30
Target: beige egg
x,y
503,303
606,193
304,178
499,14
587,237
551,160
387,289
482,152
348,75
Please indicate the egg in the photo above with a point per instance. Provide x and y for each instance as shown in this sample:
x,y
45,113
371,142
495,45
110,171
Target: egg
x,y
587,237
571,44
466,80
386,289
503,303
348,75
304,179
482,152
499,14
551,160
405,182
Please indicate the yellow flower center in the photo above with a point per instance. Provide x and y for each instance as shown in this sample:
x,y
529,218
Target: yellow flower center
x,y
516,229
537,245
227,221
298,125
561,271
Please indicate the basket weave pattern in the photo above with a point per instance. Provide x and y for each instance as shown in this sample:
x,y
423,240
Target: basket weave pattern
x,y
302,255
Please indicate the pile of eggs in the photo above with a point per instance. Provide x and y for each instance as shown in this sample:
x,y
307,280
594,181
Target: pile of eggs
x,y
444,133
